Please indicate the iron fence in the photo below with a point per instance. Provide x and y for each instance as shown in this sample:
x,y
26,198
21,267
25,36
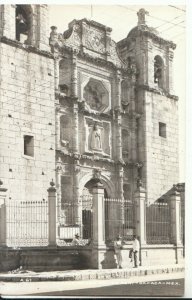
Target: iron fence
x,y
158,223
119,219
26,223
75,218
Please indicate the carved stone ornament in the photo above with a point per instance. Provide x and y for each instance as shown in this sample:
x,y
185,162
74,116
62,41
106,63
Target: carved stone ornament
x,y
141,16
97,174
94,39
139,182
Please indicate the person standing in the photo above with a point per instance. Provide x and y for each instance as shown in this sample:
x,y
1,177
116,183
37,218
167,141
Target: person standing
x,y
118,251
76,240
136,248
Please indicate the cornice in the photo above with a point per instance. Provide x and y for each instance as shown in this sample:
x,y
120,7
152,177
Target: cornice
x,y
156,91
158,39
25,47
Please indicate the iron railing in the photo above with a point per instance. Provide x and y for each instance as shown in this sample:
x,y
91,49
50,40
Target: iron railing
x,y
158,223
26,223
119,219
75,218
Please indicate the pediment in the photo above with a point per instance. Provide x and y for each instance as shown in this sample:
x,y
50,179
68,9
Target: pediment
x,y
93,39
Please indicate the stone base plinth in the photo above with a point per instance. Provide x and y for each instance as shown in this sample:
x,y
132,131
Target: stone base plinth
x,y
152,255
98,257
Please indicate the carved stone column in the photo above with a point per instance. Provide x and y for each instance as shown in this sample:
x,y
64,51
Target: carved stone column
x,y
74,74
120,193
58,186
75,129
121,172
133,128
118,135
118,88
57,128
76,195
56,71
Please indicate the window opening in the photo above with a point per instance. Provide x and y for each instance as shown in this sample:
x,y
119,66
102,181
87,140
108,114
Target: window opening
x,y
28,145
162,130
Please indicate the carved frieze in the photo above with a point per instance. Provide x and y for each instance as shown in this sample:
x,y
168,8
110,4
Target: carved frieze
x,y
94,39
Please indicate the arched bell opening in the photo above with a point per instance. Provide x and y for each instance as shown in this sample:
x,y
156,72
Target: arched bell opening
x,y
159,71
23,22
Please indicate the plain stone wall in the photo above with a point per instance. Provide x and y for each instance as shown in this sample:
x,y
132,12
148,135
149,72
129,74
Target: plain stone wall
x,y
26,108
161,255
160,155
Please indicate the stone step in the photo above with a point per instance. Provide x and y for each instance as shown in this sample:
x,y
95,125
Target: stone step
x,y
88,274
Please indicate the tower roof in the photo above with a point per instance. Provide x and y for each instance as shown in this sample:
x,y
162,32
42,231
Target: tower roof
x,y
143,29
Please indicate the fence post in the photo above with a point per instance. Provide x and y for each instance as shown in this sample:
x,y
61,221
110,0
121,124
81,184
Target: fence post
x,y
140,214
175,205
52,214
98,242
3,195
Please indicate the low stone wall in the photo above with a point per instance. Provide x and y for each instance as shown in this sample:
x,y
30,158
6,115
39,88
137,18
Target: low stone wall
x,y
9,259
76,258
45,259
161,255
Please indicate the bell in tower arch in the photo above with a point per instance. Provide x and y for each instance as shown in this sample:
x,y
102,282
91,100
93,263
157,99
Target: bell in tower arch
x,y
21,22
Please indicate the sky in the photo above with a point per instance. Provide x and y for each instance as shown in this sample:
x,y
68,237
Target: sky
x,y
169,20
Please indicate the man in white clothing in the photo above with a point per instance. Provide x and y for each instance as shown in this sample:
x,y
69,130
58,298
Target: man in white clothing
x,y
118,251
136,247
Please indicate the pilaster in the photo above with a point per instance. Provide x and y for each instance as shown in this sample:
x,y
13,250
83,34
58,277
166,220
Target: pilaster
x,y
75,128
3,196
74,74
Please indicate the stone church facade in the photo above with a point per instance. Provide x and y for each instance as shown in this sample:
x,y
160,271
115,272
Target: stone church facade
x,y
78,106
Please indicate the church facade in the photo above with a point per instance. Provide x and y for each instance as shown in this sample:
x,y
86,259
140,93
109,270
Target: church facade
x,y
79,106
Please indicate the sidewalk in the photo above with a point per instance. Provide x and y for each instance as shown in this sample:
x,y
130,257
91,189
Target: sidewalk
x,y
53,288
79,275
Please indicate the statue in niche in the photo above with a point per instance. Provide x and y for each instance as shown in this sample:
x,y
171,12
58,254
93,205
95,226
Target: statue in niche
x,y
96,139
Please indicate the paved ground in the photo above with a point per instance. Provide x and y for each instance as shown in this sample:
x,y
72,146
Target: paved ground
x,y
150,285
154,288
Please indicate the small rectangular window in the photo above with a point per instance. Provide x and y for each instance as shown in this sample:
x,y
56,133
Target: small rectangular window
x,y
162,129
28,145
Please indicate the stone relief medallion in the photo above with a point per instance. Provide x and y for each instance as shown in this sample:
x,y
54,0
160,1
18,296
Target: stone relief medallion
x,y
96,95
94,39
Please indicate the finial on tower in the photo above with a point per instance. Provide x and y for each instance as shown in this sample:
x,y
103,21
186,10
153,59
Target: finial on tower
x,y
141,16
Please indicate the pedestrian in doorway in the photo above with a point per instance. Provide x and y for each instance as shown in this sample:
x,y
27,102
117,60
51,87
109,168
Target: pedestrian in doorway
x,y
136,248
118,246
76,240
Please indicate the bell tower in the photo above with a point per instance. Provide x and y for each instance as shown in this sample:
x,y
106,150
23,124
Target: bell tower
x,y
25,23
27,114
155,102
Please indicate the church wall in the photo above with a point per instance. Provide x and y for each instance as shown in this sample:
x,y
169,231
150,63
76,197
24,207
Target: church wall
x,y
160,154
27,108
